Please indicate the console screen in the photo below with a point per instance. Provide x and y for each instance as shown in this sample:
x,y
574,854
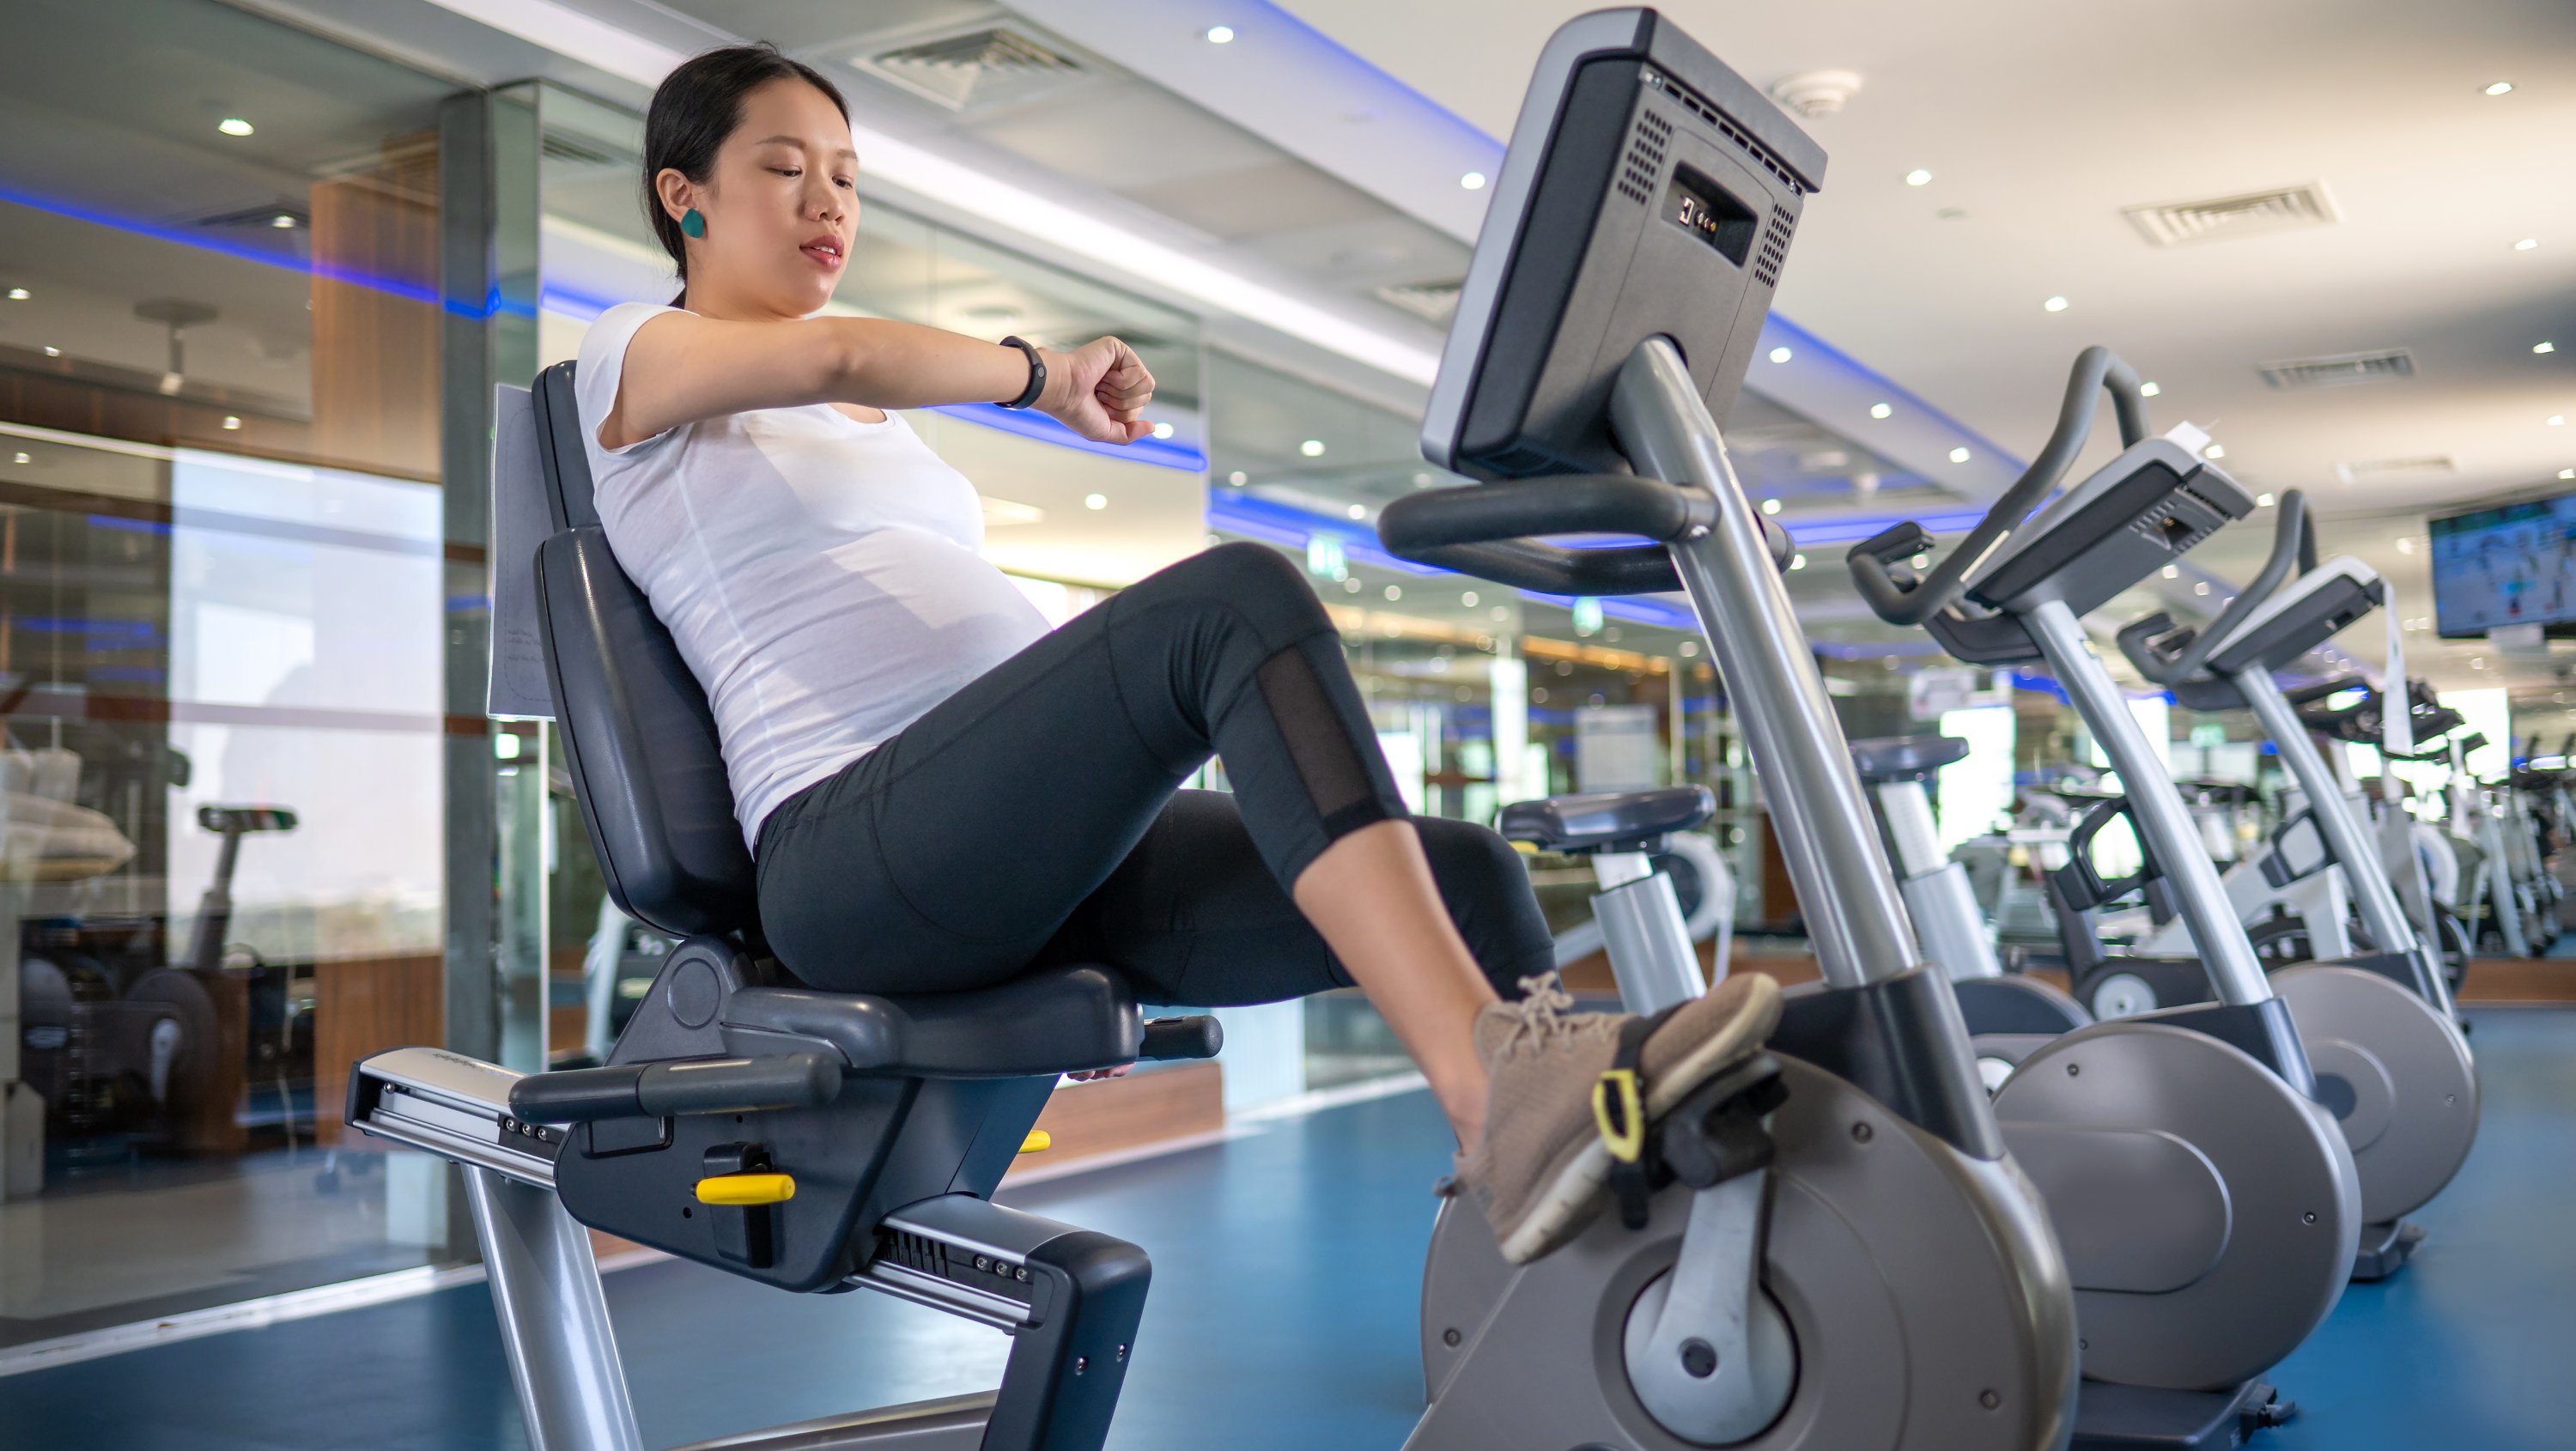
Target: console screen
x,y
1702,208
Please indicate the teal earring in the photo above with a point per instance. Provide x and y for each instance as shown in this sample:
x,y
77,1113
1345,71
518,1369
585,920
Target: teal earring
x,y
694,223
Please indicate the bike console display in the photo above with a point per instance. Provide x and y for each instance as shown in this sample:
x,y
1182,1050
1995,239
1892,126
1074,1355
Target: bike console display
x,y
2304,615
2134,516
1641,171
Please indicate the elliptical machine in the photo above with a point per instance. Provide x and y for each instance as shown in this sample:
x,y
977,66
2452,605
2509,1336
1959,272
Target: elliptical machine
x,y
1830,1246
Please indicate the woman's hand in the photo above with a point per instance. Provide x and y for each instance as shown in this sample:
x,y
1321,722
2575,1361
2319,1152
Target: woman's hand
x,y
1099,390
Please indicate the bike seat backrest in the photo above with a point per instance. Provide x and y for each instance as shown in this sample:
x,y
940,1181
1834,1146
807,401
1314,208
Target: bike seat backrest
x,y
638,737
1605,818
1891,759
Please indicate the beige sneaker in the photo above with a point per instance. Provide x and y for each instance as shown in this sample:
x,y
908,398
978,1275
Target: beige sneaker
x,y
1540,1171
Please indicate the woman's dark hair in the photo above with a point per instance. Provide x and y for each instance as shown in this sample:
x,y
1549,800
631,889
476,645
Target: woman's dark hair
x,y
695,108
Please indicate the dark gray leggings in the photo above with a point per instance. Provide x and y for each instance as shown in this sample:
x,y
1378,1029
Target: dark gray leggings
x,y
1035,816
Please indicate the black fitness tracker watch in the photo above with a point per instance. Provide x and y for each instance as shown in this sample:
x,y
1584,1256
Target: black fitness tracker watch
x,y
1037,373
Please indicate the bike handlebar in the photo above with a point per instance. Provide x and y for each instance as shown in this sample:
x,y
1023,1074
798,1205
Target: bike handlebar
x,y
1494,531
1905,601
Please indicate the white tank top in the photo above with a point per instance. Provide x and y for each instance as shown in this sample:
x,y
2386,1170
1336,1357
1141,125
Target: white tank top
x,y
820,575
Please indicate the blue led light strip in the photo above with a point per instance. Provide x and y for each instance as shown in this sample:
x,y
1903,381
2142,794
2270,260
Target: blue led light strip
x,y
392,287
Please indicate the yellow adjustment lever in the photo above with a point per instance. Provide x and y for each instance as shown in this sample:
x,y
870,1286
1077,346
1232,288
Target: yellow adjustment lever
x,y
746,1189
1038,1142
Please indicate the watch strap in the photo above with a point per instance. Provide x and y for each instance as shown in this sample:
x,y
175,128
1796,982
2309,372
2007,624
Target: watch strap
x,y
1037,373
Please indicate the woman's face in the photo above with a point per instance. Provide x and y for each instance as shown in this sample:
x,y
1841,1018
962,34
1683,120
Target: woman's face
x,y
781,205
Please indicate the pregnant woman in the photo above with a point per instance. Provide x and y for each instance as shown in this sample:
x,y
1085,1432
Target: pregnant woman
x,y
940,792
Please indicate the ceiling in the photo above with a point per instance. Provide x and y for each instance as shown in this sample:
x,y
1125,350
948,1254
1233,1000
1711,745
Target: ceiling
x,y
1321,148
2040,122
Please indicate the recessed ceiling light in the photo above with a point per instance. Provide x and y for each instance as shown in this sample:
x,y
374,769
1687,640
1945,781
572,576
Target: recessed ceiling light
x,y
2567,473
2544,347
2215,450
2526,244
1312,448
1395,592
2055,304
1921,561
232,422
2498,88
1770,506
2262,501
1162,430
2149,390
1095,501
24,458
18,294
1797,561
1357,511
2173,572
1781,355
1238,478
1958,455
1917,177
1473,181
1880,410
53,352
283,222
1219,34
2200,588
1468,599
2556,419
233,126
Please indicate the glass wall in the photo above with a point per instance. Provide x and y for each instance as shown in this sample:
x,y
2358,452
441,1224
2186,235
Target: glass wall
x,y
220,633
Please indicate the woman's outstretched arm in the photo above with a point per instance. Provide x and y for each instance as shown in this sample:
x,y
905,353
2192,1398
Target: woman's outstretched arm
x,y
681,367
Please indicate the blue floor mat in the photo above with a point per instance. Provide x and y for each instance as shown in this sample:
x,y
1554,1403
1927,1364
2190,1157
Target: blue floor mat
x,y
1286,1278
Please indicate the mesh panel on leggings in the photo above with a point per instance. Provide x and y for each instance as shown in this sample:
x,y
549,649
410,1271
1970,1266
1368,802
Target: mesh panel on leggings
x,y
1318,743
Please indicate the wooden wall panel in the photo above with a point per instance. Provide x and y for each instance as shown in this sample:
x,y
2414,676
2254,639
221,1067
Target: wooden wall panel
x,y
363,1006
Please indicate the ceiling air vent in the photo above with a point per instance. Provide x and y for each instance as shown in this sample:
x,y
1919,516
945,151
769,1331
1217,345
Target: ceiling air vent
x,y
2244,215
2336,369
558,147
974,67
1430,301
2431,463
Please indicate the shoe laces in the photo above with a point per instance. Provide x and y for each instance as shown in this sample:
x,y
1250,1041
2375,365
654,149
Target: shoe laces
x,y
1545,1014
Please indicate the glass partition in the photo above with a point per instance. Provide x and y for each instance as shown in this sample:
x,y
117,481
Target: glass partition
x,y
221,620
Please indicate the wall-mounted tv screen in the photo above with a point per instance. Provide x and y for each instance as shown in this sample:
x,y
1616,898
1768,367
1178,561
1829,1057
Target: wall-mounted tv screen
x,y
2512,565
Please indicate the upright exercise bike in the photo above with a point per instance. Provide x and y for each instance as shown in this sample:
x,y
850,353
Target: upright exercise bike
x,y
2379,1028
1840,1252
2225,1164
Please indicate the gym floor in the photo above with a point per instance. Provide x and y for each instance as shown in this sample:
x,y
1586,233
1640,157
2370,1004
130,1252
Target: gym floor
x,y
1287,1268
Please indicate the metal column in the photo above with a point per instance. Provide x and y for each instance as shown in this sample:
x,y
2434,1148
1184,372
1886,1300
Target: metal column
x,y
2372,896
1858,921
554,1317
2157,807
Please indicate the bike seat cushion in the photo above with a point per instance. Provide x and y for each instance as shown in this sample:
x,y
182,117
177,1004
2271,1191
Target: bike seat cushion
x,y
1050,1020
1605,818
1905,758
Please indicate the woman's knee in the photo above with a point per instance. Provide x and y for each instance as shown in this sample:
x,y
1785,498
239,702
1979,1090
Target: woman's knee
x,y
1486,886
1258,584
